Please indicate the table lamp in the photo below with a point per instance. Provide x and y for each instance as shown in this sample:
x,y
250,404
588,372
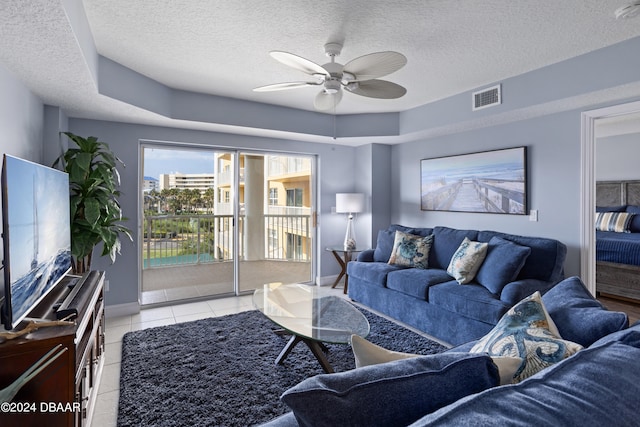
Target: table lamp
x,y
349,203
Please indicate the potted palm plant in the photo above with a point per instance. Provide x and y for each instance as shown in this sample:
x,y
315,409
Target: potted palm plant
x,y
96,216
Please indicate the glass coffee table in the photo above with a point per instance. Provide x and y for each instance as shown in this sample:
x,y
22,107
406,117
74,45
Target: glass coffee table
x,y
312,315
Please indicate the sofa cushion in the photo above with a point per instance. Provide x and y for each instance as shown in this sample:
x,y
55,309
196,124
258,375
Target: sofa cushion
x,y
634,226
445,243
373,272
578,316
416,281
595,387
411,250
546,260
466,260
525,331
622,208
420,231
384,245
629,336
391,394
472,301
502,264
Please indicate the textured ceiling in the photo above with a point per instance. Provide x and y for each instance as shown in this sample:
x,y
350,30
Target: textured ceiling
x,y
221,47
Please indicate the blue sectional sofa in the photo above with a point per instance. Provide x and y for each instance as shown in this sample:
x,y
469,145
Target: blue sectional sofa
x,y
433,301
596,386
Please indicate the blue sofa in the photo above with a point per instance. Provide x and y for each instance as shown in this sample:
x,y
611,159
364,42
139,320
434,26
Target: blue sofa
x,y
432,301
596,386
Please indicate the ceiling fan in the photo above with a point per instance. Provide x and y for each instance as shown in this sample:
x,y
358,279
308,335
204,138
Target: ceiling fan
x,y
359,76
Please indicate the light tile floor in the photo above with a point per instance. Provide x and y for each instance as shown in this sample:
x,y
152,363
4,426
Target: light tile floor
x,y
106,411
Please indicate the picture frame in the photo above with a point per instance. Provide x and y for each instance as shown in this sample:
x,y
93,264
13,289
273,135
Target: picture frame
x,y
485,182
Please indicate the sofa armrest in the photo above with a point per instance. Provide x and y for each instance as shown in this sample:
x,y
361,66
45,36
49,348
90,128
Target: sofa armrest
x,y
520,289
365,256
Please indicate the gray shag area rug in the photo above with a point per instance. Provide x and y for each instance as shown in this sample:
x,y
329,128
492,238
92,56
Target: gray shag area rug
x,y
221,371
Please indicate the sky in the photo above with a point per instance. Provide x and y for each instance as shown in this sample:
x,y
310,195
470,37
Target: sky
x,y
157,161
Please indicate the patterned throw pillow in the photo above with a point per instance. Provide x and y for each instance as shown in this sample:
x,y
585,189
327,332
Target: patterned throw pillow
x,y
466,261
410,250
614,221
525,331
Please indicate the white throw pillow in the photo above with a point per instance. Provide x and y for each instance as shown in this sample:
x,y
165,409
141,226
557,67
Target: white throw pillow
x,y
367,353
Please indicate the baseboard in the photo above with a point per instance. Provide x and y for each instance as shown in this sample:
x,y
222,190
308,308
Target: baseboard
x,y
118,310
326,280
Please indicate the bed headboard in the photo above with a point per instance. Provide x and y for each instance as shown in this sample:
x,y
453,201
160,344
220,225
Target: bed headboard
x,y
617,193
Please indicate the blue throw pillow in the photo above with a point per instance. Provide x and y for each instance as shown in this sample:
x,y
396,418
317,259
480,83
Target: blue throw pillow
x,y
502,264
578,316
390,394
634,227
446,242
384,246
611,208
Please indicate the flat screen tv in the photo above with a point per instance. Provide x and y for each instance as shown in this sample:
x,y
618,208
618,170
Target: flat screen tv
x,y
36,235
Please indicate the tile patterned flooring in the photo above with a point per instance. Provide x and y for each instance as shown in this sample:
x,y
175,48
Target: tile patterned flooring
x,y
106,410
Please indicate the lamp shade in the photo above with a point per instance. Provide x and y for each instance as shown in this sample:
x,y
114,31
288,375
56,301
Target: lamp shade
x,y
349,202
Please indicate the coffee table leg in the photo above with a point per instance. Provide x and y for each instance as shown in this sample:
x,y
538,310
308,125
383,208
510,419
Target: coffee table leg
x,y
295,339
317,348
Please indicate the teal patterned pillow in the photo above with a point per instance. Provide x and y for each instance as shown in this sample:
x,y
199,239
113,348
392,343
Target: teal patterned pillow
x,y
410,250
466,261
525,331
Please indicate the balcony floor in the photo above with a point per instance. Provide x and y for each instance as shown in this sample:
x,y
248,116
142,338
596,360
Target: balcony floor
x,y
173,283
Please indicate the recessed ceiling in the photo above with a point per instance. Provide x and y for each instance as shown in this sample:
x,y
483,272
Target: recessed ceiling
x,y
221,47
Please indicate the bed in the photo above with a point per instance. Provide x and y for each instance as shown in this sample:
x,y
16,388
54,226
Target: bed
x,y
617,253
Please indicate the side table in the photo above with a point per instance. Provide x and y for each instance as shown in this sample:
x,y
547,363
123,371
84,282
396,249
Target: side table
x,y
343,256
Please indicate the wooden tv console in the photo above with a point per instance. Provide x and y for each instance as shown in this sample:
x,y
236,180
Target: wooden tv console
x,y
65,392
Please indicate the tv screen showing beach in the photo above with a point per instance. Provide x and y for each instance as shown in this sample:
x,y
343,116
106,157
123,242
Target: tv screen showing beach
x,y
37,240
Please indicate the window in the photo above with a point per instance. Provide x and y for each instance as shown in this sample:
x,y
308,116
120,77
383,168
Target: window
x,y
273,196
294,197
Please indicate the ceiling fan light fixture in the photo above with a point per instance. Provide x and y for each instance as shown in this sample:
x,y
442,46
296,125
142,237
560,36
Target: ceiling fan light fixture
x,y
359,76
332,86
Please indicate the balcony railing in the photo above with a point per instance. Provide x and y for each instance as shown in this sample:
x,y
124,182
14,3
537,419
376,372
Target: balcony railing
x,y
197,239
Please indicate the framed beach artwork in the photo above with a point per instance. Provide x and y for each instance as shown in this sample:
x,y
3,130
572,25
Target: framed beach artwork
x,y
488,182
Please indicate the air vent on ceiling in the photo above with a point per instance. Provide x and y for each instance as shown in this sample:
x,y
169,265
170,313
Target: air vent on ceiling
x,y
487,98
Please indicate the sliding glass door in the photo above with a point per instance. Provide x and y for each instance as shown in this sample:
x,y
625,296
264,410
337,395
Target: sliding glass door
x,y
216,222
277,219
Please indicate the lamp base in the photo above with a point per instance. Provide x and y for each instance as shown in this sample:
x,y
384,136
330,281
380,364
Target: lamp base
x,y
350,236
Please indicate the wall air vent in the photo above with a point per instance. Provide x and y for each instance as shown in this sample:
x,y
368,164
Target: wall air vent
x,y
487,98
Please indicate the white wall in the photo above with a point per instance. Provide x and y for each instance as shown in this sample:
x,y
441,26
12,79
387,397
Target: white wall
x,y
21,119
618,157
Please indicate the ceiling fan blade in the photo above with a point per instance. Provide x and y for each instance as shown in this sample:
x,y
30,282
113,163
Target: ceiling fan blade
x,y
327,101
375,65
284,86
298,62
381,89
